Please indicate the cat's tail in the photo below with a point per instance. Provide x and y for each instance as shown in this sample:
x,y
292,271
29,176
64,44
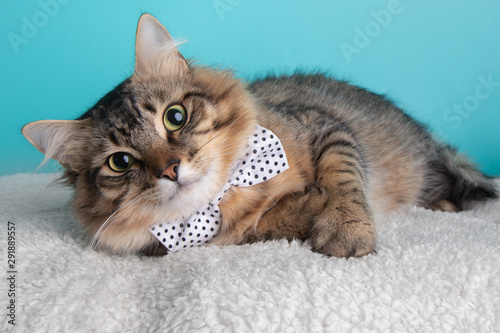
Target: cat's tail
x,y
456,183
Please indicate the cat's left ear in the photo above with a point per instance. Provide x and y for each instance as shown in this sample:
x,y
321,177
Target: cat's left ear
x,y
154,44
61,140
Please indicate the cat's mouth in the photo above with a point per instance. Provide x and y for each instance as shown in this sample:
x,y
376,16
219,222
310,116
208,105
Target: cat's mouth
x,y
171,191
185,187
189,192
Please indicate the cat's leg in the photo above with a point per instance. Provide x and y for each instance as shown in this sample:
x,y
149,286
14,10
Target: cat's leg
x,y
344,227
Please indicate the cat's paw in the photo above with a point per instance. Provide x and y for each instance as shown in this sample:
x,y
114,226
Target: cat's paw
x,y
352,238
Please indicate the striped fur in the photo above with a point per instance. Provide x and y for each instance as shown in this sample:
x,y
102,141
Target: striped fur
x,y
353,156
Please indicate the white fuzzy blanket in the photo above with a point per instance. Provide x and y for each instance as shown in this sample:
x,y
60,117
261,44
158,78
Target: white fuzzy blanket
x,y
434,272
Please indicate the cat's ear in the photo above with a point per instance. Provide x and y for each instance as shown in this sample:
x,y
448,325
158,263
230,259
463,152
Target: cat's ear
x,y
153,44
60,140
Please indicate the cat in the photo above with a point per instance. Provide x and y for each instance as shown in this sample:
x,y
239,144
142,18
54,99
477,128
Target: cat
x,y
163,143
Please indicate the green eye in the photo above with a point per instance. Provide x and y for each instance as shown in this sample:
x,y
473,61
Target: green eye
x,y
175,117
120,162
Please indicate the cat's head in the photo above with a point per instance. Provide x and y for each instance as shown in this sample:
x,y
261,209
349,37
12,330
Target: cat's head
x,y
157,147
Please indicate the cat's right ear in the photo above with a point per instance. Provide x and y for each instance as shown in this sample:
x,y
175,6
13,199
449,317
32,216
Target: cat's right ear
x,y
59,140
153,44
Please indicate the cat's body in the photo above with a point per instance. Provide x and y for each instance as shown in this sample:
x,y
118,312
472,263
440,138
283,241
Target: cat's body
x,y
380,160
162,144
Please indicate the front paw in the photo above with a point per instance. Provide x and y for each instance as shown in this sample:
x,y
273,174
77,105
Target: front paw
x,y
351,238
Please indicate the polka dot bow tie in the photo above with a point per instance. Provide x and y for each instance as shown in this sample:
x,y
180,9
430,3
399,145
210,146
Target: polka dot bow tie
x,y
264,159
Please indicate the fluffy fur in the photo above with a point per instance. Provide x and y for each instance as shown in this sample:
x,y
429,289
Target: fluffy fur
x,y
434,272
353,156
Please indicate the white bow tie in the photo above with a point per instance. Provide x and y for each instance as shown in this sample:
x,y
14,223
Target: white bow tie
x,y
264,159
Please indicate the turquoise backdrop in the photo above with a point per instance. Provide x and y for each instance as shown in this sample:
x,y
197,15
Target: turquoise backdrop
x,y
439,60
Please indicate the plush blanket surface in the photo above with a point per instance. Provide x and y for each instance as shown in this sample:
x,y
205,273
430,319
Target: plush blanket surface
x,y
433,272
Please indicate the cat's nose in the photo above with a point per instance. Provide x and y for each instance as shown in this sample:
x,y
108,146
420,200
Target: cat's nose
x,y
172,171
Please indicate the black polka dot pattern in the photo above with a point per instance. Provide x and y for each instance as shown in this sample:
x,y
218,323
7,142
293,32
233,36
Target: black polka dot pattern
x,y
196,231
264,159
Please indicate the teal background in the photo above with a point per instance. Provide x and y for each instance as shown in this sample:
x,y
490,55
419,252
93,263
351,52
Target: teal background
x,y
430,57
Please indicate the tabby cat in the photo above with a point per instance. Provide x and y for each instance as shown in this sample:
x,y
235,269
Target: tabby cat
x,y
164,142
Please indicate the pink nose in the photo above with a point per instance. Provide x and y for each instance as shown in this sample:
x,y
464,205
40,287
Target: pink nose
x,y
171,172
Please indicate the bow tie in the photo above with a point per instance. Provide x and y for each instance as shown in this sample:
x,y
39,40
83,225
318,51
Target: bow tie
x,y
263,159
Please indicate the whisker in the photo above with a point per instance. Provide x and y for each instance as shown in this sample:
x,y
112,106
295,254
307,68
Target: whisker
x,y
284,140
288,190
216,170
215,156
218,134
109,221
274,202
225,148
113,217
